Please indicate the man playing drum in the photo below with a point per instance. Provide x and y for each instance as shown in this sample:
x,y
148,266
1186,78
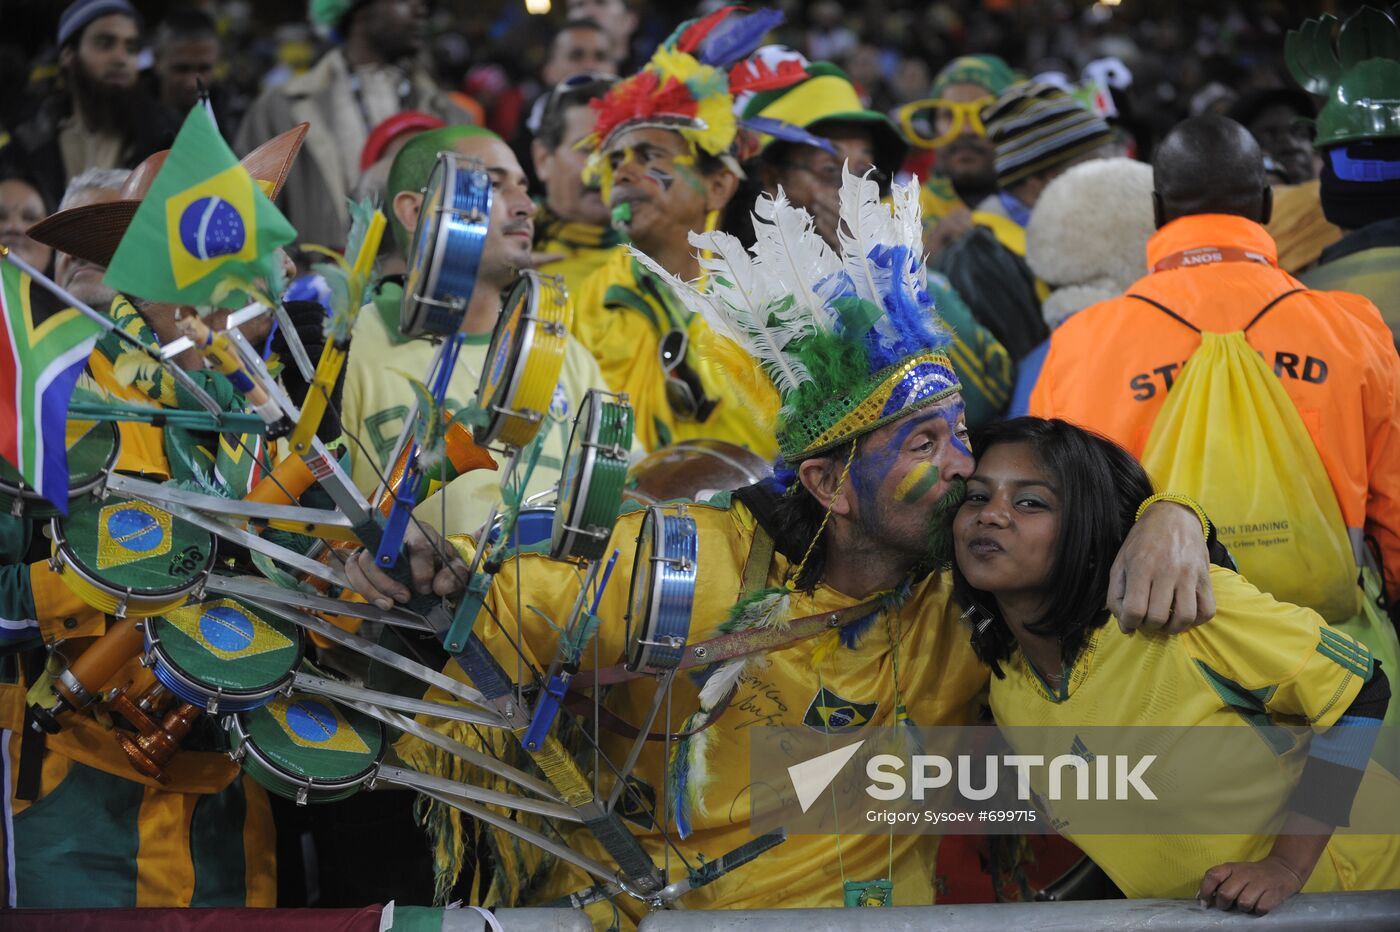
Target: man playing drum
x,y
377,397
856,524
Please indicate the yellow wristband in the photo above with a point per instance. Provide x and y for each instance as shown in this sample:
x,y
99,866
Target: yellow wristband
x,y
1179,499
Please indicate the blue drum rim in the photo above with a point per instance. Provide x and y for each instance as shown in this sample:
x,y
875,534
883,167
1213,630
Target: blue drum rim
x,y
671,599
564,535
450,235
213,699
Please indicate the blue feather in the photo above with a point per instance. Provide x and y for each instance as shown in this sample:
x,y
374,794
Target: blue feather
x,y
789,132
677,776
909,326
736,37
853,632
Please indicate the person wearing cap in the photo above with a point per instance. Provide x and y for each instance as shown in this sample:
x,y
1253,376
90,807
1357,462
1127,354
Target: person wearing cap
x,y
377,397
1281,120
571,222
88,830
371,74
665,154
839,131
1039,131
965,168
1212,267
1358,137
381,148
104,118
875,453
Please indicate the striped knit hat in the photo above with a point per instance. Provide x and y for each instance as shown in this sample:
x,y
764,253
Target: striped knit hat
x,y
1037,126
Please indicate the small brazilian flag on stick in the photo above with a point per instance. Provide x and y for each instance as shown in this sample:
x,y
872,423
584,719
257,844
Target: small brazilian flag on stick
x,y
204,220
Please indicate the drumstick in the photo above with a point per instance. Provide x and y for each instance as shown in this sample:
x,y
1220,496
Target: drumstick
x,y
333,356
223,358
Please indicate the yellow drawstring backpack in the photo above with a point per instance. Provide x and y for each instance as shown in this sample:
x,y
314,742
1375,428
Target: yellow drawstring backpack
x,y
1230,436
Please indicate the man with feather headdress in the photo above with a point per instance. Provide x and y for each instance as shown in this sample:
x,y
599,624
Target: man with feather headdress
x,y
855,524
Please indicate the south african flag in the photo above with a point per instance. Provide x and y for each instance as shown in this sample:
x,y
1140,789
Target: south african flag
x,y
43,348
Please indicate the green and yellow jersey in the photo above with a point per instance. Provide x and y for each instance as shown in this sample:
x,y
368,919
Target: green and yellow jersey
x,y
1258,662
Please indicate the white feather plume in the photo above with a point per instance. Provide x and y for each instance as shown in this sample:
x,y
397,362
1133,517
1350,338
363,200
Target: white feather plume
x,y
788,248
865,224
743,305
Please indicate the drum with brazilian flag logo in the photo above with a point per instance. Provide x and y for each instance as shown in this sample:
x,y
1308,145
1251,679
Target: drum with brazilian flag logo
x,y
223,655
308,748
127,557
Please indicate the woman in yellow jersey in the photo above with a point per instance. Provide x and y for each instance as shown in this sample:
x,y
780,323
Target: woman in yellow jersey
x,y
1045,513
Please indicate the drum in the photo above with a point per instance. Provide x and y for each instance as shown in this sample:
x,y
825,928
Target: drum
x,y
445,254
307,748
694,470
663,590
595,471
523,361
93,448
223,655
124,556
532,527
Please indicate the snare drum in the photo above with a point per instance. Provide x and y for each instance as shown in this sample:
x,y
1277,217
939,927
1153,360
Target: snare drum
x,y
93,449
663,590
523,361
446,252
308,748
124,556
532,526
595,471
223,655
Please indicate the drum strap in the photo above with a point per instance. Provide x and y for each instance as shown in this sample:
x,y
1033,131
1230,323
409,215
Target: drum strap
x,y
32,743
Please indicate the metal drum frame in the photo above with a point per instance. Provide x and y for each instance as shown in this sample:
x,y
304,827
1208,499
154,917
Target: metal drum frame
x,y
595,473
190,688
523,361
663,590
447,251
289,784
19,500
118,600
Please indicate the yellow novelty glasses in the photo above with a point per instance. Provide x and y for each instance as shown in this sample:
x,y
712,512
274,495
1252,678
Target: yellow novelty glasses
x,y
934,122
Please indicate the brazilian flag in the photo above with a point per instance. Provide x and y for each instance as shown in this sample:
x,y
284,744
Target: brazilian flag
x,y
203,220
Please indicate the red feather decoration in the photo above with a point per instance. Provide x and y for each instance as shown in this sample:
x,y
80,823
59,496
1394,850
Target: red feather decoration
x,y
696,32
757,75
639,98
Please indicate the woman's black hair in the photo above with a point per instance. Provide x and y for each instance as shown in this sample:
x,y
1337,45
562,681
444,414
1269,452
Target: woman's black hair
x,y
1099,486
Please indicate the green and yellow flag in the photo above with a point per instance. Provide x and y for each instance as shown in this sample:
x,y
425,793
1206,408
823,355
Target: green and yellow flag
x,y
204,220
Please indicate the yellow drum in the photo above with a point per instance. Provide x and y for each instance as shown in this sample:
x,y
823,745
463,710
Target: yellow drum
x,y
524,361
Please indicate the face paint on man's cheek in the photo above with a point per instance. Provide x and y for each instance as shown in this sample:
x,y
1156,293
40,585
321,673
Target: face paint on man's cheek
x,y
684,171
873,465
663,180
916,483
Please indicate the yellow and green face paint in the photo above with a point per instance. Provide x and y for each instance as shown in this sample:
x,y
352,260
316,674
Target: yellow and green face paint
x,y
916,483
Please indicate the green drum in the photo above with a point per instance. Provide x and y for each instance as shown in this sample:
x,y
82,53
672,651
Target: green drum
x,y
595,471
308,748
93,448
222,654
128,557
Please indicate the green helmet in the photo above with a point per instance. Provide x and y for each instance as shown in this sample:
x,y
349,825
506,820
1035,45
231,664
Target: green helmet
x,y
1360,77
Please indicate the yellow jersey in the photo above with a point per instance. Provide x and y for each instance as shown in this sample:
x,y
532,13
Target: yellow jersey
x,y
1258,662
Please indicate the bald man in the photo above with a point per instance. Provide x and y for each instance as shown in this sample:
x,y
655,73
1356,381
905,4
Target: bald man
x,y
1214,268
378,396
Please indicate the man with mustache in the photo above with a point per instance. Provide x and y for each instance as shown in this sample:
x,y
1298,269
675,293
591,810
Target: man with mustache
x,y
572,220
104,119
857,527
377,397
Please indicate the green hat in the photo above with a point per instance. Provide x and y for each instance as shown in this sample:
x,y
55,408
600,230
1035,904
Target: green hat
x,y
986,71
328,13
1360,77
827,96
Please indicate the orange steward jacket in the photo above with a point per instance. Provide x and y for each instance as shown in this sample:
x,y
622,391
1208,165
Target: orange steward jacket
x,y
1111,365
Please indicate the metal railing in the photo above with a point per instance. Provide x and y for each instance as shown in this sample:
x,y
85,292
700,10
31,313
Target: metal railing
x,y
1379,910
